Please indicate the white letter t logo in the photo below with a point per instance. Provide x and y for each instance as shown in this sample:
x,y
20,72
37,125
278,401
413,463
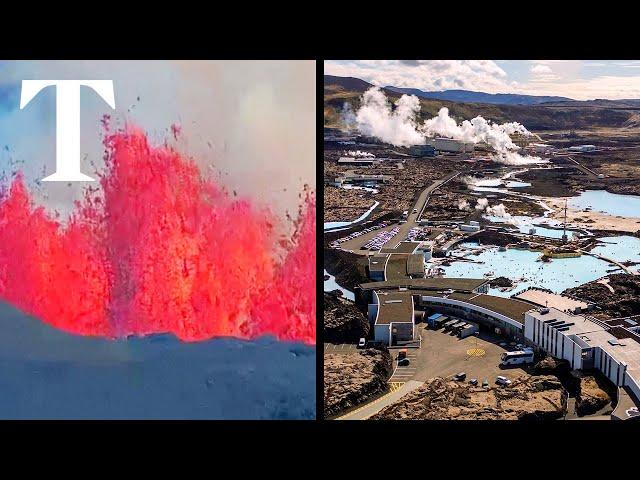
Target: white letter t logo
x,y
67,121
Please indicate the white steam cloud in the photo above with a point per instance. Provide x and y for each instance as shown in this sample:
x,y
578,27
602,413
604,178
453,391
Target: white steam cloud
x,y
377,118
399,127
463,205
482,204
499,211
358,153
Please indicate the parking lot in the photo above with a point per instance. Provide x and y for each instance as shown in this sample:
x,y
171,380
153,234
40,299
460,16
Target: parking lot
x,y
444,355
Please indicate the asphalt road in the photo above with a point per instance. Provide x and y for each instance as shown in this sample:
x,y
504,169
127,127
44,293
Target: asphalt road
x,y
419,206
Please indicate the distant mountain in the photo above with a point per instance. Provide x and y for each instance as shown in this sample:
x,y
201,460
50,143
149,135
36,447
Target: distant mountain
x,y
598,103
562,114
347,83
467,96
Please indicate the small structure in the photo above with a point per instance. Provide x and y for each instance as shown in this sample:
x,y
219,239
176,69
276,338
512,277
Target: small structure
x,y
358,161
392,315
582,148
422,150
450,145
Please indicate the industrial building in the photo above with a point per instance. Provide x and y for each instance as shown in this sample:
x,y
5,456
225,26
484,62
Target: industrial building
x,y
582,148
611,346
470,227
358,179
522,140
358,161
542,148
450,145
423,150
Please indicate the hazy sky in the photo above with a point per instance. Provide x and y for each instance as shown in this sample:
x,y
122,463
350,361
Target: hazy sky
x,y
577,79
252,120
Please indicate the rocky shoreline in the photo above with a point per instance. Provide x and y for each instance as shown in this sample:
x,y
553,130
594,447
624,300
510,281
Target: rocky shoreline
x,y
623,301
528,398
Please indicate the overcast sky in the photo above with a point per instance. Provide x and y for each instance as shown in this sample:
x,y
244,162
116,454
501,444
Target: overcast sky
x,y
577,79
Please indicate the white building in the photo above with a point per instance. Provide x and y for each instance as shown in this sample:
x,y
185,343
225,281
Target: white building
x,y
583,148
450,145
587,343
392,316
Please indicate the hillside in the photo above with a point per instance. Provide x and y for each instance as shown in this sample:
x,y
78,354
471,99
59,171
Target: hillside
x,y
467,96
572,115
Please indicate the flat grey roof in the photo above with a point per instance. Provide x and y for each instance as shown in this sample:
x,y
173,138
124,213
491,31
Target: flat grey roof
x,y
402,247
394,307
377,263
544,299
459,284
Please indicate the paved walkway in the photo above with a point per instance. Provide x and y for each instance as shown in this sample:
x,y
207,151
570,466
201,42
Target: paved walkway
x,y
374,407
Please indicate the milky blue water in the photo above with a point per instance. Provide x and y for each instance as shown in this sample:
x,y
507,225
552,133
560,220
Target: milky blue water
x,y
620,248
516,184
609,203
332,225
557,275
524,223
331,285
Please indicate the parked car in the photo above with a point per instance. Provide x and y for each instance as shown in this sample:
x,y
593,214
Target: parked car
x,y
485,383
503,381
362,343
473,381
458,377
403,362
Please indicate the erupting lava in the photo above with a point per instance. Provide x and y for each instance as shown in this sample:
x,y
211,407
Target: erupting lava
x,y
159,248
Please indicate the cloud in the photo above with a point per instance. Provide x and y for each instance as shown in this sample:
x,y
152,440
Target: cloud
x,y
565,78
540,68
254,121
428,75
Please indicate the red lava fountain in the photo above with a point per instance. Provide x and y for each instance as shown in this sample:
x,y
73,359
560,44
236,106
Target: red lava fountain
x,y
159,248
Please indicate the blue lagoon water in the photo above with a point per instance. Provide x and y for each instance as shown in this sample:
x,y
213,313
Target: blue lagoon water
x,y
557,275
331,285
609,203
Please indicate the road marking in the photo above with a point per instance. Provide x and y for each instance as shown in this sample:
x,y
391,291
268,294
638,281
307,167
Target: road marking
x,y
476,352
393,386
